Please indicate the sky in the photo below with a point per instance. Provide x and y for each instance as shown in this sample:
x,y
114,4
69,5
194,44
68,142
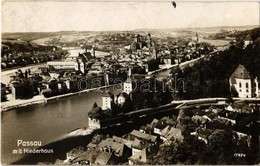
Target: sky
x,y
51,16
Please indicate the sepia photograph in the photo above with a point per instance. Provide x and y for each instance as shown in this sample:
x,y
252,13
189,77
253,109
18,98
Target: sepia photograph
x,y
128,82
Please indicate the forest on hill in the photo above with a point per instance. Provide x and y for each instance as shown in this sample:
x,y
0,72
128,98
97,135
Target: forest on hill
x,y
210,78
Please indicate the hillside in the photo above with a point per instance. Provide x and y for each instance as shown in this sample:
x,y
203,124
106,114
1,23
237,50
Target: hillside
x,y
210,78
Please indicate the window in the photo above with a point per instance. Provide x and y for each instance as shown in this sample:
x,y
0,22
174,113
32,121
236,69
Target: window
x,y
240,85
246,85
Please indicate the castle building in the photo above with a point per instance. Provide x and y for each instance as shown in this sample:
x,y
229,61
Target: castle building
x,y
107,101
140,43
80,65
243,83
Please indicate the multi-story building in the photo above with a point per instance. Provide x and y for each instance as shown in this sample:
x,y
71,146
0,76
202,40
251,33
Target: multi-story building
x,y
242,82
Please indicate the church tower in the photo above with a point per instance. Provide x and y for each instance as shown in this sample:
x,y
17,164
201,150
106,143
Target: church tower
x,y
128,84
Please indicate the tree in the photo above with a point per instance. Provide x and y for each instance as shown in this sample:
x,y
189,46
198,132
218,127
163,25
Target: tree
x,y
221,146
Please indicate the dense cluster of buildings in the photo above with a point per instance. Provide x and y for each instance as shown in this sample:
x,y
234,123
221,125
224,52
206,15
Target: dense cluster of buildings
x,y
131,148
139,145
15,56
62,76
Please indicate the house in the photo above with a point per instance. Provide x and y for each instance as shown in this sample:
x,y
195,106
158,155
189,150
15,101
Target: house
x,y
129,85
141,141
213,109
138,145
62,65
243,84
22,89
61,162
80,65
143,136
170,133
128,143
74,153
97,66
86,158
168,60
197,119
151,65
203,134
229,116
192,43
248,40
138,157
160,125
146,129
216,124
105,158
118,149
165,131
209,116
97,138
240,107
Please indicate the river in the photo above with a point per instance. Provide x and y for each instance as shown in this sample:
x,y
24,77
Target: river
x,y
46,122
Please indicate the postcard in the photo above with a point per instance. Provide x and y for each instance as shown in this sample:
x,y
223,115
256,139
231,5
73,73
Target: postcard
x,y
130,82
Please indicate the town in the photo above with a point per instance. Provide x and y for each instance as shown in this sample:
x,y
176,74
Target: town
x,y
83,69
182,127
204,127
130,83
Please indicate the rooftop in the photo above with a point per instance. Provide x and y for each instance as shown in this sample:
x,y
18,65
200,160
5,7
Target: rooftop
x,y
240,73
144,136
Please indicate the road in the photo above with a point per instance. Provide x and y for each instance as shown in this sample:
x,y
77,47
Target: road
x,y
174,105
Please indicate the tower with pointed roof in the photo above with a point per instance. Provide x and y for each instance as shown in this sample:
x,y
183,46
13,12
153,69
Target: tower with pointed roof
x,y
128,84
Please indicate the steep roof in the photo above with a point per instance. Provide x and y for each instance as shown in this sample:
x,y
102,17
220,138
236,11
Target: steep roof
x,y
103,158
144,136
140,156
89,155
161,124
116,146
137,143
241,73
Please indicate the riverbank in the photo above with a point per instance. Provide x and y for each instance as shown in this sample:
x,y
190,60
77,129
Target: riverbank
x,y
11,104
80,137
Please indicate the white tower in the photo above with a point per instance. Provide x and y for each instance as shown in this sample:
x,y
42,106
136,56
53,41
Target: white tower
x,y
82,66
128,84
107,101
